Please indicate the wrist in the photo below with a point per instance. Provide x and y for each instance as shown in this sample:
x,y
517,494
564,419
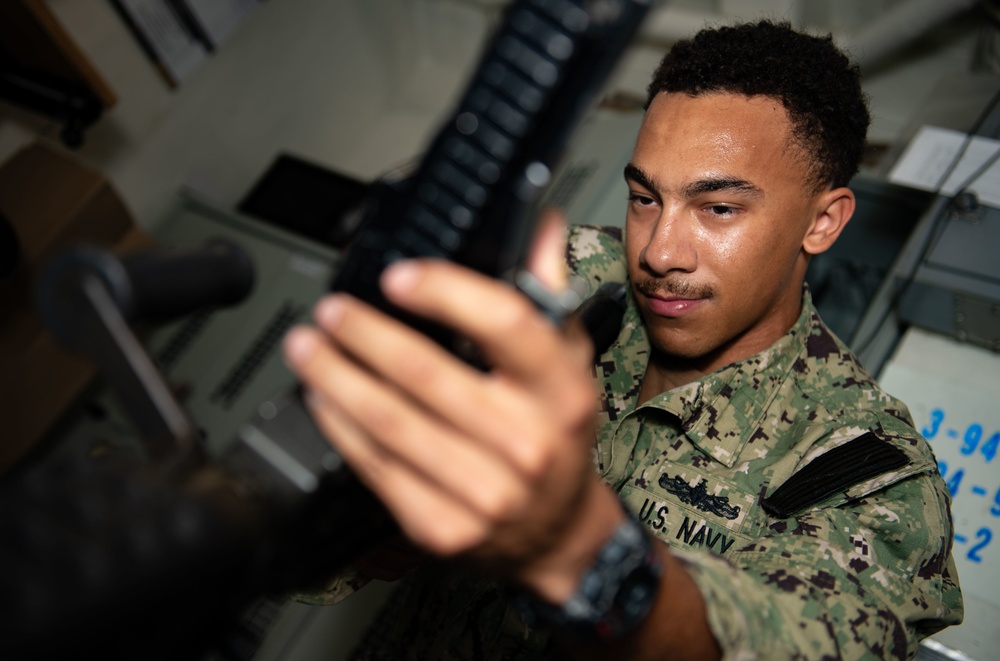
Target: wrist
x,y
555,576
613,595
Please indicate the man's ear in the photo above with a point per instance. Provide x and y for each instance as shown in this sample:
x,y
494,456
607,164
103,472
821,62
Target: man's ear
x,y
833,209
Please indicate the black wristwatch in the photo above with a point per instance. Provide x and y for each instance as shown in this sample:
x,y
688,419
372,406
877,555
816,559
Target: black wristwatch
x,y
614,596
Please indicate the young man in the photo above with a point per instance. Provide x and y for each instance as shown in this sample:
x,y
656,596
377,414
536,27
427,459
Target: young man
x,y
757,495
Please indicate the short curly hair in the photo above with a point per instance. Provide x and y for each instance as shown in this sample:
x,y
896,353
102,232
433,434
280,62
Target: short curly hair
x,y
817,84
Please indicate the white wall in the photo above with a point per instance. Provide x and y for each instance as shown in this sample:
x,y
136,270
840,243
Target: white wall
x,y
358,85
354,85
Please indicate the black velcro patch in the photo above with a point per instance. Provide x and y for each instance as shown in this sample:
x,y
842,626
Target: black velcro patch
x,y
865,457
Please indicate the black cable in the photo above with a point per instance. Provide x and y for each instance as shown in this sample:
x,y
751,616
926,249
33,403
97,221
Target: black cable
x,y
934,231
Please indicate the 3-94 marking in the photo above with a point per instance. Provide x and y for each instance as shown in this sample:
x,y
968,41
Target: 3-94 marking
x,y
976,444
974,433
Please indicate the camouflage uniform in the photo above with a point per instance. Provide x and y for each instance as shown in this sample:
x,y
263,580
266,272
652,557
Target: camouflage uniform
x,y
850,560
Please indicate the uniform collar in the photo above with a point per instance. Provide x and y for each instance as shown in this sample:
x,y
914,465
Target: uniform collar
x,y
721,411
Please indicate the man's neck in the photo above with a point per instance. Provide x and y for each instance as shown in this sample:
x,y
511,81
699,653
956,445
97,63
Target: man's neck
x,y
665,373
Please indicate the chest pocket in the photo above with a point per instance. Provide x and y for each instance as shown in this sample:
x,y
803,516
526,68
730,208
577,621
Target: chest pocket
x,y
686,508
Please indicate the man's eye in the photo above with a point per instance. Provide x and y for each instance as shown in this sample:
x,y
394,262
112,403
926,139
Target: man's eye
x,y
722,210
640,200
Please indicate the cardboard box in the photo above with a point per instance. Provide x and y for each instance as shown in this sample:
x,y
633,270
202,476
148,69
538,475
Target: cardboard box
x,y
51,201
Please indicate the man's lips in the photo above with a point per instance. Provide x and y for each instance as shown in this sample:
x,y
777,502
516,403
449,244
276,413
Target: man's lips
x,y
672,306
671,298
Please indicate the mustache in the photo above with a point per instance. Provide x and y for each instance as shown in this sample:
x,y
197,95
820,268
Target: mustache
x,y
672,286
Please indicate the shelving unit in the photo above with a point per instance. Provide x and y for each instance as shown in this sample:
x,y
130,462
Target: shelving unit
x,y
43,69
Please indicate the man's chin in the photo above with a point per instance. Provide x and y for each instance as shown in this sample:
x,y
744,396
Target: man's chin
x,y
681,347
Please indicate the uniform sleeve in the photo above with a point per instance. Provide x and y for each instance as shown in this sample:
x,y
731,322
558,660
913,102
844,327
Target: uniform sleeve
x,y
596,255
866,579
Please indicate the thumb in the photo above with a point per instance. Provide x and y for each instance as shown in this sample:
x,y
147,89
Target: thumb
x,y
546,258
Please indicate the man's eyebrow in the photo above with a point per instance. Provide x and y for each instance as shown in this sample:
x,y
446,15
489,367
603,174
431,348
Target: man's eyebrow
x,y
696,188
715,184
633,173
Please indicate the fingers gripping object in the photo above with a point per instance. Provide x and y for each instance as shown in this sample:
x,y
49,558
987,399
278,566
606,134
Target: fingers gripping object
x,y
472,199
556,305
278,499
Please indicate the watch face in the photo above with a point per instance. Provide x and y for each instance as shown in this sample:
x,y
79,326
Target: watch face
x,y
638,590
614,595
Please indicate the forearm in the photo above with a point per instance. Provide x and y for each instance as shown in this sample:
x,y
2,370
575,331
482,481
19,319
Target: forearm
x,y
844,582
707,612
793,595
676,626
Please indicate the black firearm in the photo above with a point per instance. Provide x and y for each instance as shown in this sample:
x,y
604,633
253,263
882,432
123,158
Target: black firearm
x,y
125,559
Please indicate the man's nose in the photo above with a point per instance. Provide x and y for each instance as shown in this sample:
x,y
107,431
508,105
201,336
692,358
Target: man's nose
x,y
670,246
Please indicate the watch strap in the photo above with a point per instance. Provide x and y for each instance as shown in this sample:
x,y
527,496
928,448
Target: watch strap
x,y
614,595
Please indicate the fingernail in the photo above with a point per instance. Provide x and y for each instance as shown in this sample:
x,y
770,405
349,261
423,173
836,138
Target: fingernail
x,y
400,277
299,345
329,311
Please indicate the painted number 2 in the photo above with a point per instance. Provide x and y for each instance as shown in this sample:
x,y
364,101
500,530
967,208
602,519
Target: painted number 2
x,y
984,535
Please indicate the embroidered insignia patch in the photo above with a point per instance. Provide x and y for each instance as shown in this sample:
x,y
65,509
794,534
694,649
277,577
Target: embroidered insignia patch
x,y
698,496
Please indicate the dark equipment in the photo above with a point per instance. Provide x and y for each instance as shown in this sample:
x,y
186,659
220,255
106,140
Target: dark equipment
x,y
107,557
62,100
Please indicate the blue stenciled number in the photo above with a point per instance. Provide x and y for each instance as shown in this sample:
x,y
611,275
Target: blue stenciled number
x,y
972,436
955,480
995,510
984,535
937,416
989,448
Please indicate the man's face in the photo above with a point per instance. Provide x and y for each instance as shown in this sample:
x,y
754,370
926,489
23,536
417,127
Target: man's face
x,y
719,203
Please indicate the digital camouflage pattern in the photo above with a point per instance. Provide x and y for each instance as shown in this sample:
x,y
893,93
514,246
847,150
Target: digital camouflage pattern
x,y
863,573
